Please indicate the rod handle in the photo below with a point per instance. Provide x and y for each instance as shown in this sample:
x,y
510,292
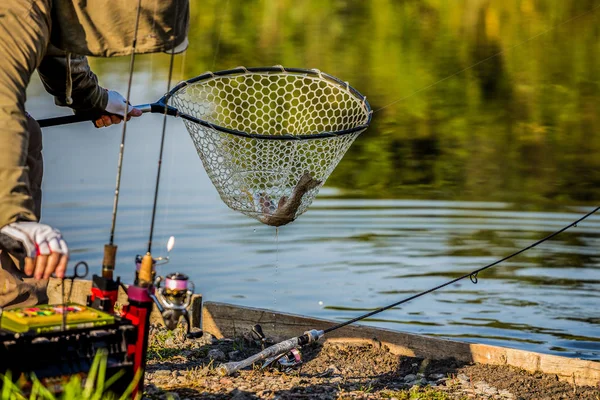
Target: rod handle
x,y
279,348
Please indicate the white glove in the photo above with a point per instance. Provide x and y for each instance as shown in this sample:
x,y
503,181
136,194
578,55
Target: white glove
x,y
116,109
116,104
37,239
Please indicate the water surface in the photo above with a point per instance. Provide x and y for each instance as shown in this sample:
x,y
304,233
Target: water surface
x,y
465,163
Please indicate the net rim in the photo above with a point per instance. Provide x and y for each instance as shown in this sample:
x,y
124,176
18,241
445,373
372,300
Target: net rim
x,y
279,69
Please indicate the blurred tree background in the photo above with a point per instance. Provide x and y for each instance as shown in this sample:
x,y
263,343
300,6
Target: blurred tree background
x,y
488,100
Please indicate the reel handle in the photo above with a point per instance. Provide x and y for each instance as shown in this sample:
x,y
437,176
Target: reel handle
x,y
257,329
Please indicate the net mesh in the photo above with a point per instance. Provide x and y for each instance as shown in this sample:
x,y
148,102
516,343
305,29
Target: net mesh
x,y
271,180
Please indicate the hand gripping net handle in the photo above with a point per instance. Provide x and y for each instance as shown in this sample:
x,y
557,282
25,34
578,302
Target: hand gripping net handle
x,y
270,137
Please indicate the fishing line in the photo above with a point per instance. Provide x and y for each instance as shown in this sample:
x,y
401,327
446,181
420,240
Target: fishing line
x,y
489,58
471,275
170,152
124,131
162,138
314,335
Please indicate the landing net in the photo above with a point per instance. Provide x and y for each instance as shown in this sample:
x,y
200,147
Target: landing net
x,y
270,137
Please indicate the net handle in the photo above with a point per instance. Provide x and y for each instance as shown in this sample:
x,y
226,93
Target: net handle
x,y
158,107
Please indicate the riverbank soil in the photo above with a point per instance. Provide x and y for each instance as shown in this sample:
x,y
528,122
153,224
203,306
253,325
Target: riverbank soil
x,y
185,369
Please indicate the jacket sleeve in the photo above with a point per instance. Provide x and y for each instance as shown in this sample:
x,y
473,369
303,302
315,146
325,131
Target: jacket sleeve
x,y
87,95
24,31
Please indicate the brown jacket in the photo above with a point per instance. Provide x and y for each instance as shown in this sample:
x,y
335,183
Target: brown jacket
x,y
39,34
24,34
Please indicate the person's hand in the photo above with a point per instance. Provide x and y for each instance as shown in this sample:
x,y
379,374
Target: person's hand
x,y
116,110
45,250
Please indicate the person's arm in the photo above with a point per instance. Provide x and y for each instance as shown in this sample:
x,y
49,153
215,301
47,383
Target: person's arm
x,y
24,33
20,55
86,94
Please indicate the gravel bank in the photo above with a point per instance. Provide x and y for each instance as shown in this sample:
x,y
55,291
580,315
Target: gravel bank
x,y
185,369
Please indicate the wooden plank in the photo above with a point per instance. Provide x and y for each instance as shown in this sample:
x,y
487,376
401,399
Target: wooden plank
x,y
225,320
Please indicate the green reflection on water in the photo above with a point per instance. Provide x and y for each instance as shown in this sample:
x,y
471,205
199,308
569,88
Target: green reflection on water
x,y
522,126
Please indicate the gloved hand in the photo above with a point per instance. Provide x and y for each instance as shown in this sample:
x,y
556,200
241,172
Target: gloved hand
x,y
116,108
45,249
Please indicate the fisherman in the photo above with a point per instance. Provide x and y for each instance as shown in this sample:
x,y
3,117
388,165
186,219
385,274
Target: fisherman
x,y
54,36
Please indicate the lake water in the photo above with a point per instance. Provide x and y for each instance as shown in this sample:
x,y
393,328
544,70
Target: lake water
x,y
445,181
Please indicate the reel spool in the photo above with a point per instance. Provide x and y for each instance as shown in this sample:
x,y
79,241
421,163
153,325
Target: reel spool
x,y
176,294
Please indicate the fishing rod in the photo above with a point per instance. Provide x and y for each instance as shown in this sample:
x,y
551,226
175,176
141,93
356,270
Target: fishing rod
x,y
175,296
314,335
172,299
105,289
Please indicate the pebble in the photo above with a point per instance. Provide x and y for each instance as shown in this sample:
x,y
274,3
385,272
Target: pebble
x,y
211,339
331,370
217,355
237,394
436,377
151,389
225,381
410,378
162,373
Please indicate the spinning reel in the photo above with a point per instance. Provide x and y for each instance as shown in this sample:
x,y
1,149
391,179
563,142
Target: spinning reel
x,y
172,294
173,299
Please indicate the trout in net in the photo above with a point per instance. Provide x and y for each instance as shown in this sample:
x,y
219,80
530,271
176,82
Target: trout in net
x,y
287,206
269,137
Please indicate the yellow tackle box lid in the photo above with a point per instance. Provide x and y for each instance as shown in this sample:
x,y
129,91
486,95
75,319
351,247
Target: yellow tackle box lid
x,y
48,318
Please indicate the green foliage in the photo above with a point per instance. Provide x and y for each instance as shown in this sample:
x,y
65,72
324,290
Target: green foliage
x,y
417,393
158,345
95,387
475,100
